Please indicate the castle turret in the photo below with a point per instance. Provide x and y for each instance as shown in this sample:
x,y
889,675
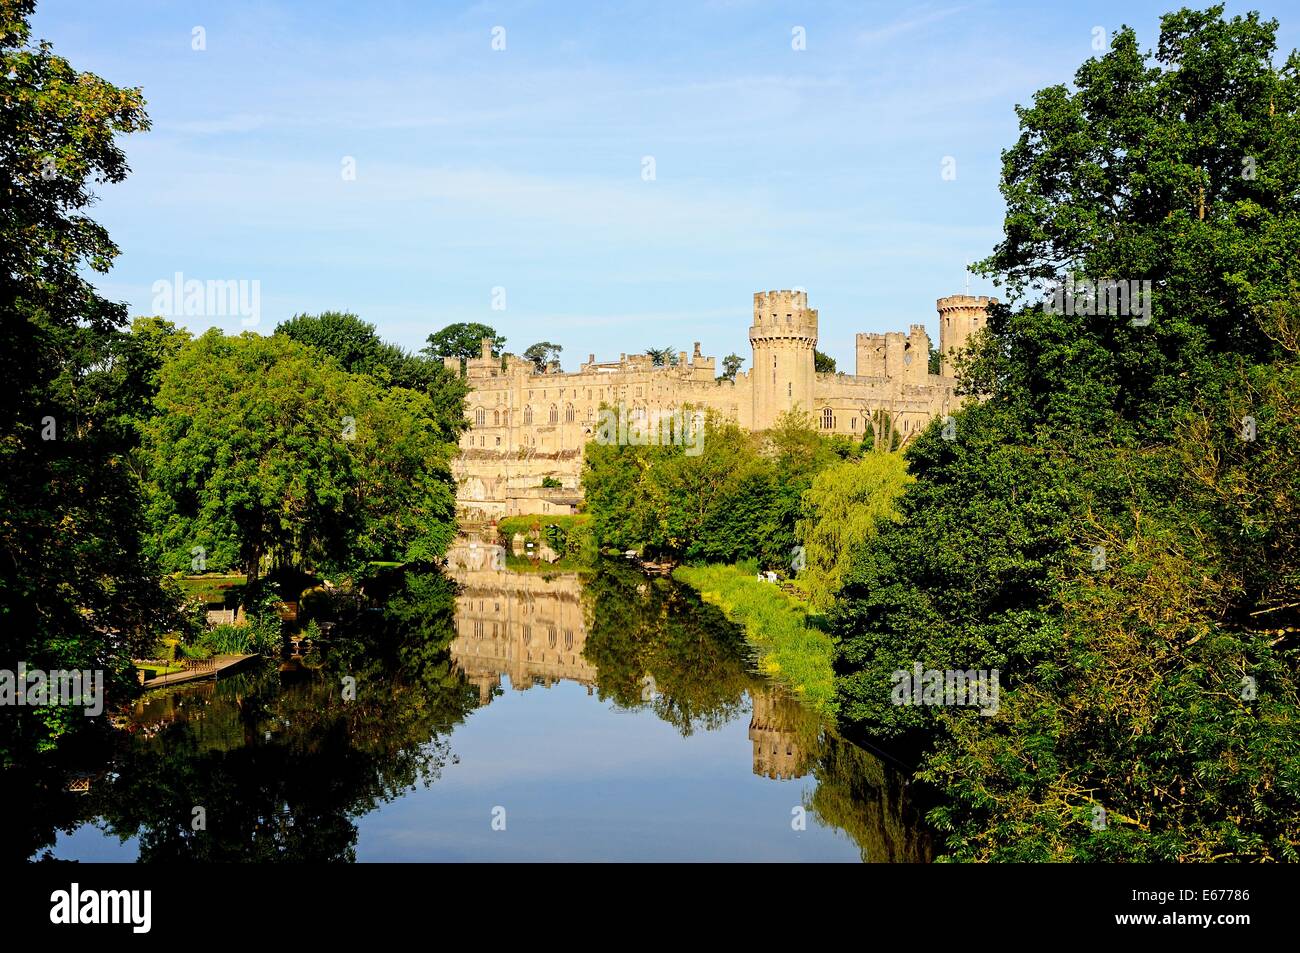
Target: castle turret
x,y
960,316
783,336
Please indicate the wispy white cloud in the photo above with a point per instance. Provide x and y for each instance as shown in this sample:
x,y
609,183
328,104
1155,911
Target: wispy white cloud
x,y
916,19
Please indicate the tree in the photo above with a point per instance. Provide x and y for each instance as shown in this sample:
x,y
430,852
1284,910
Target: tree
x,y
737,498
75,588
342,335
823,363
842,510
263,452
662,356
357,347
463,341
543,354
1085,529
731,367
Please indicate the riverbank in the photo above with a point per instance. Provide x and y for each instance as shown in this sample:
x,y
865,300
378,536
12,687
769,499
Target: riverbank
x,y
791,650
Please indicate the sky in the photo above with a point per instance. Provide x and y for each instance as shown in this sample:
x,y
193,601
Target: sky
x,y
605,176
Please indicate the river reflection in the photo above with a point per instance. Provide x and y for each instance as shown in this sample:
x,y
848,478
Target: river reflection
x,y
490,713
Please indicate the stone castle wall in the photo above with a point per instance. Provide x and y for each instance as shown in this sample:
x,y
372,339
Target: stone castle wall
x,y
526,426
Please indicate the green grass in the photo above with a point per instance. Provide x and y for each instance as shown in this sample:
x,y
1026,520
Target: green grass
x,y
154,670
211,589
790,651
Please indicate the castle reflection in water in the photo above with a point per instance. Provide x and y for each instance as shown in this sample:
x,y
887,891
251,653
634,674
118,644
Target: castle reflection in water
x,y
533,626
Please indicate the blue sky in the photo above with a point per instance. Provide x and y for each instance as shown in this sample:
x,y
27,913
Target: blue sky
x,y
522,168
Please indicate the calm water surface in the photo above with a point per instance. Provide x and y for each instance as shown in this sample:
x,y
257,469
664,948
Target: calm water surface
x,y
593,716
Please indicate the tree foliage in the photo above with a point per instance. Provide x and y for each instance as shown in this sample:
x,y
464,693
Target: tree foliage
x,y
463,341
841,512
731,367
75,588
264,452
738,498
542,354
357,347
1099,530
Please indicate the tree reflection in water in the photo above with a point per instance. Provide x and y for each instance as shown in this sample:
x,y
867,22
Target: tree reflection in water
x,y
282,765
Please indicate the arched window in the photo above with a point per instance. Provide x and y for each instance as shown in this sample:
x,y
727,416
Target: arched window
x,y
568,413
480,417
828,419
528,415
555,414
550,636
496,418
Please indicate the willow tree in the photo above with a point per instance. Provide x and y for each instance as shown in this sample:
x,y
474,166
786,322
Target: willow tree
x,y
842,511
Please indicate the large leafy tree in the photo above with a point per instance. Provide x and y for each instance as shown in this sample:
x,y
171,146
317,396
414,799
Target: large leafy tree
x,y
1098,529
265,455
357,347
463,340
74,588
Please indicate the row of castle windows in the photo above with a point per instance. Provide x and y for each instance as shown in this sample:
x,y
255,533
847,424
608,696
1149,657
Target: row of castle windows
x,y
828,421
523,608
500,417
552,635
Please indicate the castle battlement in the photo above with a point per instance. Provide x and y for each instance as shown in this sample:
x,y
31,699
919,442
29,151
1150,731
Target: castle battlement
x,y
965,301
527,426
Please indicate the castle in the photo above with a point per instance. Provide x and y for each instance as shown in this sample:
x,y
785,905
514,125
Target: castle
x,y
522,452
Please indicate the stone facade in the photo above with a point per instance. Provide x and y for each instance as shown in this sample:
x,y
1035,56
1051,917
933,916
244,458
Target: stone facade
x,y
526,426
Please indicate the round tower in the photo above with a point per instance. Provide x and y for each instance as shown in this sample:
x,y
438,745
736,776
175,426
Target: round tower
x,y
783,336
960,316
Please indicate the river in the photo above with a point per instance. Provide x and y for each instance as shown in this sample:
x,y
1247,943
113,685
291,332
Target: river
x,y
515,713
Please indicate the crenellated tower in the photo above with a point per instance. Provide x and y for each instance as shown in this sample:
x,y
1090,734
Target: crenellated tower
x,y
783,336
960,316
